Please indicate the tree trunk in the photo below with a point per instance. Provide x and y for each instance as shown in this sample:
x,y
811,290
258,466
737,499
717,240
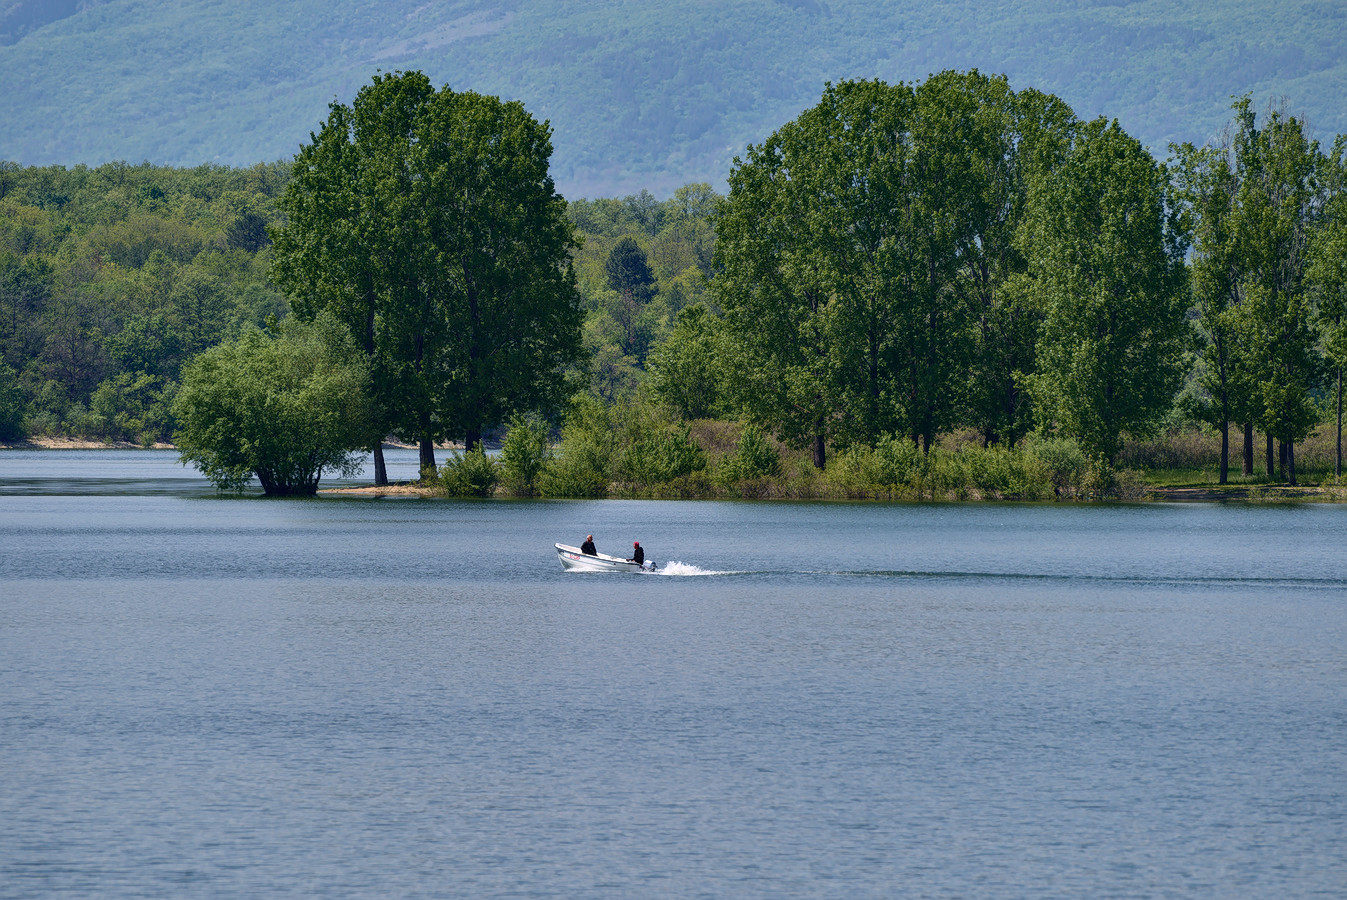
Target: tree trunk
x,y
1337,466
1283,460
427,446
1290,448
820,453
473,439
1248,449
1271,463
380,468
1225,452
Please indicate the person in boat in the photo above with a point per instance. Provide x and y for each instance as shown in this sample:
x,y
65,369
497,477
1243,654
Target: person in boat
x,y
637,554
587,547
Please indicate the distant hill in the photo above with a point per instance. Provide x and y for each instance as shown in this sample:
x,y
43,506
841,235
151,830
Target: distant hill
x,y
641,93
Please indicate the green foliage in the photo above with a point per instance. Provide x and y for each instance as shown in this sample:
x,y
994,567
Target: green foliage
x,y
861,256
641,262
523,455
1065,464
13,405
285,408
470,474
628,270
1259,204
687,371
896,461
898,469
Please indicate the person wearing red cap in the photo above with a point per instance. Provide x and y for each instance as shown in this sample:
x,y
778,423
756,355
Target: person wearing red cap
x,y
637,554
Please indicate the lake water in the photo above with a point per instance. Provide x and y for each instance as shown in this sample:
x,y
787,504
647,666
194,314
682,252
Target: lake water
x,y
399,697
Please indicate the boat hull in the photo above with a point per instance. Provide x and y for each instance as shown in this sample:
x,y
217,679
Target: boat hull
x,y
573,560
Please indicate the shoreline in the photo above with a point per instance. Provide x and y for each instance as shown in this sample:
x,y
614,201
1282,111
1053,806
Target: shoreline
x,y
1256,493
1241,493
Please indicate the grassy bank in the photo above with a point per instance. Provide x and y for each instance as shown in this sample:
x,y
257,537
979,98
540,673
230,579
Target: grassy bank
x,y
711,459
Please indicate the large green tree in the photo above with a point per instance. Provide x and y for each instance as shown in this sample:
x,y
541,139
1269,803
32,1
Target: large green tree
x,y
1108,262
865,253
1206,188
329,255
1016,138
428,222
774,287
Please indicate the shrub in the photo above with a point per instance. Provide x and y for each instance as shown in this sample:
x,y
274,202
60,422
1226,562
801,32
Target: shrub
x,y
469,474
1064,462
658,457
582,467
286,408
897,461
523,454
998,473
82,422
850,472
754,458
895,467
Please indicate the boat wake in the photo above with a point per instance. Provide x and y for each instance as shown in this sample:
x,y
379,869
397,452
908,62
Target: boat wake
x,y
674,567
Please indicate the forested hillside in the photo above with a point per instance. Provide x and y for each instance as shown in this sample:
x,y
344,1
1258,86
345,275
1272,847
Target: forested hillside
x,y
641,95
113,277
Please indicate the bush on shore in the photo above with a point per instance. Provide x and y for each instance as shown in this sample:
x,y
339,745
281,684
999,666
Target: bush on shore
x,y
469,474
644,451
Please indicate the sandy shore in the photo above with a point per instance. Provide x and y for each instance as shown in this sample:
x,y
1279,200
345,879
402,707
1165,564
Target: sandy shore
x,y
44,443
396,489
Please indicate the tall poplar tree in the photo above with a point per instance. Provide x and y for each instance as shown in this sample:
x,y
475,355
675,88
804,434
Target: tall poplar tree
x,y
1206,186
1010,139
1108,264
1278,198
1252,201
334,252
1328,277
775,294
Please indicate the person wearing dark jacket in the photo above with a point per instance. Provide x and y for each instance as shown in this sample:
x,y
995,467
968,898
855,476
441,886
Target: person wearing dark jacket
x,y
637,554
587,547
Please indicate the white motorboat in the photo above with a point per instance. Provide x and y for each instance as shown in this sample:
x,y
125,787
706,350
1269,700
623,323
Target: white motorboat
x,y
572,558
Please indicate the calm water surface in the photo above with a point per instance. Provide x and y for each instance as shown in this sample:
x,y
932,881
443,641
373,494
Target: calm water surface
x,y
219,696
